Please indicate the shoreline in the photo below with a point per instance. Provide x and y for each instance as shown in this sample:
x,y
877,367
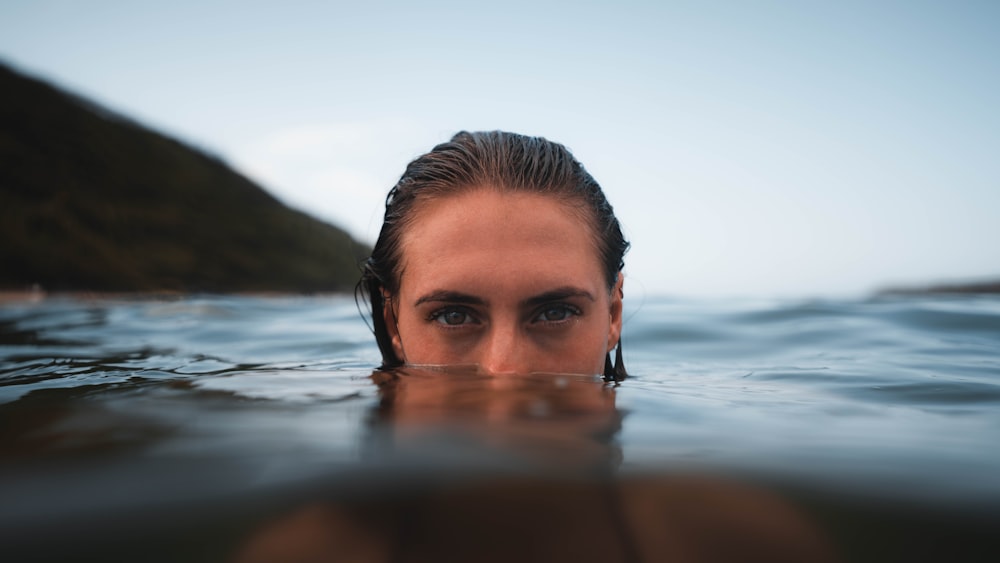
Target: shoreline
x,y
39,295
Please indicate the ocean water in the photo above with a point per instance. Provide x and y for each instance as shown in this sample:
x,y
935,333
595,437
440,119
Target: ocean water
x,y
174,429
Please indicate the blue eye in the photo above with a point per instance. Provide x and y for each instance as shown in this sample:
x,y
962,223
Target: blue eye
x,y
452,317
556,313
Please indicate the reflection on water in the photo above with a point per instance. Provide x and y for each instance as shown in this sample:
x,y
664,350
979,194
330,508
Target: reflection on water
x,y
568,507
199,428
567,421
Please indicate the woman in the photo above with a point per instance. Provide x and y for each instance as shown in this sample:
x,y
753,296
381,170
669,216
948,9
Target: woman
x,y
500,251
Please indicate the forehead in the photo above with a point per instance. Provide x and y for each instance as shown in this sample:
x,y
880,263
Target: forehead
x,y
487,239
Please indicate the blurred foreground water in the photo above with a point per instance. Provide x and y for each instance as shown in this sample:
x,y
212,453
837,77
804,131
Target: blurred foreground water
x,y
182,429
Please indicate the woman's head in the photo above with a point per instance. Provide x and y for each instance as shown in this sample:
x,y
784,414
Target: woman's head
x,y
479,231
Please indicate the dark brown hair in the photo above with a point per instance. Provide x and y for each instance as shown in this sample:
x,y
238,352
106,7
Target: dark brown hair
x,y
498,160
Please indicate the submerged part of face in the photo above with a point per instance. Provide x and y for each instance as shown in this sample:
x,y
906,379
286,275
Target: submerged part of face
x,y
510,282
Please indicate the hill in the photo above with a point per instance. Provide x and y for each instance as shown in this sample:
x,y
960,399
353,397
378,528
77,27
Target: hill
x,y
90,200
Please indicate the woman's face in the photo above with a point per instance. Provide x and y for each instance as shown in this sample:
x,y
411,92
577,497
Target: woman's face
x,y
510,282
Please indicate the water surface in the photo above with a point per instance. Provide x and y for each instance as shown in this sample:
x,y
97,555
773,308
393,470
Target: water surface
x,y
127,421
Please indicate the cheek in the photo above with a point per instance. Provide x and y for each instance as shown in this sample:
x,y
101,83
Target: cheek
x,y
422,343
581,351
593,348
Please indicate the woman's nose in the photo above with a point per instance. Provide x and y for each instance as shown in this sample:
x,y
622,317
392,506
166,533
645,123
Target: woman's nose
x,y
504,352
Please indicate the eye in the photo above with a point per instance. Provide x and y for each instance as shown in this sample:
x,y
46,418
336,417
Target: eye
x,y
453,317
556,314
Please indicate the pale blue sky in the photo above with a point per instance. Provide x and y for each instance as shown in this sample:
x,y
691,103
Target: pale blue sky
x,y
750,148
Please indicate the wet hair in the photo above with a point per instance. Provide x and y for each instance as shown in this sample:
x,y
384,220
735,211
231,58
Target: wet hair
x,y
499,160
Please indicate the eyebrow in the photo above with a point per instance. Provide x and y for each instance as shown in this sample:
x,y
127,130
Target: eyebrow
x,y
445,296
560,293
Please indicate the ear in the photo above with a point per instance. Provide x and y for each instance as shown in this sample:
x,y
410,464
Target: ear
x,y
391,326
615,327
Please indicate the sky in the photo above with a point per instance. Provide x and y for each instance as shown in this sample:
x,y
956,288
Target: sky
x,y
750,148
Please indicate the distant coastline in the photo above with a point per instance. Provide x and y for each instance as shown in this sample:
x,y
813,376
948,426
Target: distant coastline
x,y
38,295
971,288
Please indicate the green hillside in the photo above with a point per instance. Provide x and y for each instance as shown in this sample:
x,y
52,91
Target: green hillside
x,y
92,201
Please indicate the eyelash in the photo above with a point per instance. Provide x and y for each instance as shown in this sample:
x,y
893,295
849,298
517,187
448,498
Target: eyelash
x,y
569,310
438,315
563,308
